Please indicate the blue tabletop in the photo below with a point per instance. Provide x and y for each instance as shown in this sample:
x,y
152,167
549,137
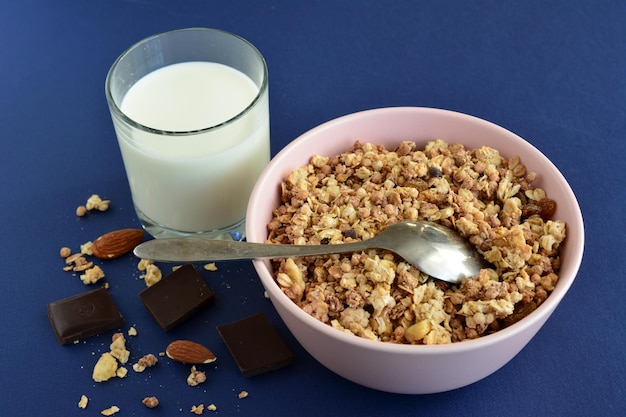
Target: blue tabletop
x,y
552,72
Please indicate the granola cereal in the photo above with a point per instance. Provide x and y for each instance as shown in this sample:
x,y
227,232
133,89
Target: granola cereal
x,y
210,267
92,274
150,402
152,274
95,202
143,264
87,248
196,377
146,361
486,198
118,348
110,411
121,372
83,402
81,211
105,368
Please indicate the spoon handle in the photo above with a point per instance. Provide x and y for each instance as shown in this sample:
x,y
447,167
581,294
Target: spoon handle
x,y
202,250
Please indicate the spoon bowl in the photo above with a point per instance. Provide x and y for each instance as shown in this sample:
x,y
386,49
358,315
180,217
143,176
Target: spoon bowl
x,y
434,249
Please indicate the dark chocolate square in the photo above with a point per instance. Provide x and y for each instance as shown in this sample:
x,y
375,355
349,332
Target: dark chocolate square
x,y
84,315
177,297
255,345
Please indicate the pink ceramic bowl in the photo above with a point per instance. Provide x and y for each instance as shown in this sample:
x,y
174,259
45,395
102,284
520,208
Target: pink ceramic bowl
x,y
405,368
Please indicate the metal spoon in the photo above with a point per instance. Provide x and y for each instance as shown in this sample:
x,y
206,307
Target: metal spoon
x,y
433,249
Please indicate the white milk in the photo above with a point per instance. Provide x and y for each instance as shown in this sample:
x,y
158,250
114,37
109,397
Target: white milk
x,y
198,182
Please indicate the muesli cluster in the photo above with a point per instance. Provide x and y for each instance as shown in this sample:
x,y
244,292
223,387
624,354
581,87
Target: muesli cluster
x,y
486,198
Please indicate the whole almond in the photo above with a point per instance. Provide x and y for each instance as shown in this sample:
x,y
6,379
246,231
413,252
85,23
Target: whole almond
x,y
115,244
186,351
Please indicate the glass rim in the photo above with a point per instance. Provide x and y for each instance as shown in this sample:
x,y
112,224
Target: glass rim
x,y
119,113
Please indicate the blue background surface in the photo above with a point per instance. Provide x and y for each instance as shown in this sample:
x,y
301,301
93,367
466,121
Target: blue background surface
x,y
552,72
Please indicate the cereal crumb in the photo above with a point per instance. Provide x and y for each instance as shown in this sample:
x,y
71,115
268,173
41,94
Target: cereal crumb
x,y
105,368
96,203
76,262
146,362
121,372
81,211
65,252
150,402
210,267
243,394
161,354
143,264
86,248
132,331
152,276
196,377
83,402
92,275
118,348
110,411
211,407
197,409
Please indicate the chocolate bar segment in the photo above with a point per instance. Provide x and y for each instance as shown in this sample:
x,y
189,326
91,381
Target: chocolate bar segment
x,y
177,297
255,345
84,315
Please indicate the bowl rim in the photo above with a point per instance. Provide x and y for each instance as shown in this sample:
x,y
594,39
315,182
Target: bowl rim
x,y
535,318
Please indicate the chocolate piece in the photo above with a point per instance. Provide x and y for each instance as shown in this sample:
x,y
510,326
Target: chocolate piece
x,y
177,297
84,315
255,345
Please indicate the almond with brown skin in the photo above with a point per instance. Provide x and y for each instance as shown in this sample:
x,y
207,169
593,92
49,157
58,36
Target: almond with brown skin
x,y
186,351
115,244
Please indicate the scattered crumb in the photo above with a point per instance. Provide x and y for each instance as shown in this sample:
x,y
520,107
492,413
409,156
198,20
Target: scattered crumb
x,y
81,211
152,276
65,252
210,267
77,263
132,331
86,248
161,354
211,407
146,362
83,402
121,372
196,377
243,394
105,368
197,409
143,264
110,411
150,402
92,275
96,203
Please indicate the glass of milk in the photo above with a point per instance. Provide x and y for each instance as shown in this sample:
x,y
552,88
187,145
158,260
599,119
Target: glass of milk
x,y
191,113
